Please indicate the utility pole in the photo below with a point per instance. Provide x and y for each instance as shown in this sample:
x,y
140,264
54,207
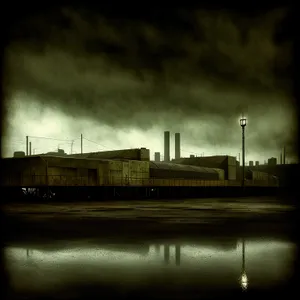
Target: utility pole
x,y
81,138
26,145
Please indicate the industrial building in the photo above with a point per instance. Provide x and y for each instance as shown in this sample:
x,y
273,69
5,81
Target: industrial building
x,y
172,170
226,163
272,161
66,171
157,156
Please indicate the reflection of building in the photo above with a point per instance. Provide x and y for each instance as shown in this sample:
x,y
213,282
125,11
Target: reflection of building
x,y
177,254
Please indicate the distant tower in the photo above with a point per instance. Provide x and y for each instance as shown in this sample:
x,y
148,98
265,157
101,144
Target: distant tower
x,y
177,145
257,163
167,146
251,163
157,156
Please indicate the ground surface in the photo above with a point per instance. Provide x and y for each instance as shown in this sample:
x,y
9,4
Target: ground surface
x,y
133,218
218,223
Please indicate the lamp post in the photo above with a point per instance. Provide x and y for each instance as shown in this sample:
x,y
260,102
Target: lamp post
x,y
243,122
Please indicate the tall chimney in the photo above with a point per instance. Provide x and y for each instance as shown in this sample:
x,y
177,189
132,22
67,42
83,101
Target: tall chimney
x,y
157,156
167,146
177,145
283,160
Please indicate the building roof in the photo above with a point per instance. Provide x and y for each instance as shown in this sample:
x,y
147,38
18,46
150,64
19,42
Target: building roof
x,y
180,167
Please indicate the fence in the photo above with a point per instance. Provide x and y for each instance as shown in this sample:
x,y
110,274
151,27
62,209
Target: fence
x,y
61,180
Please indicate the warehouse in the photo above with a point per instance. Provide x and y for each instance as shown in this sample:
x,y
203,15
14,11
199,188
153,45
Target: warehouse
x,y
65,171
224,162
172,170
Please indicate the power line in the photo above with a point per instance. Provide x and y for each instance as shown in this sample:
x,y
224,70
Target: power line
x,y
96,143
53,139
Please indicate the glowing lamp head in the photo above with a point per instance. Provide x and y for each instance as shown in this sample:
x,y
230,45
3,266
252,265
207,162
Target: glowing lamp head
x,y
243,122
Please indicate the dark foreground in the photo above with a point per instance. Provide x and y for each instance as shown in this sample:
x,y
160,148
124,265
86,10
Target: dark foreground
x,y
183,250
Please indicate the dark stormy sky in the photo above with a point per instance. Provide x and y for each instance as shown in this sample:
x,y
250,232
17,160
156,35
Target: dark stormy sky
x,y
122,79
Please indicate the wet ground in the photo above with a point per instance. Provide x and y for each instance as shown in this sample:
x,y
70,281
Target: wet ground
x,y
165,250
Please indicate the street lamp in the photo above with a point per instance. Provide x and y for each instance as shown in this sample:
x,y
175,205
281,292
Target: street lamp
x,y
243,122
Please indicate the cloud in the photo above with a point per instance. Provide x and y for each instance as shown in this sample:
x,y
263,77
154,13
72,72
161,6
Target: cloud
x,y
135,74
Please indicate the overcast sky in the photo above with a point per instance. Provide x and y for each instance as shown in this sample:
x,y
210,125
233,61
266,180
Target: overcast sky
x,y
122,82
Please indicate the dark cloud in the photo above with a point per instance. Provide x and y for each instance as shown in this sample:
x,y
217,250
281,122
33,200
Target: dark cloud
x,y
199,65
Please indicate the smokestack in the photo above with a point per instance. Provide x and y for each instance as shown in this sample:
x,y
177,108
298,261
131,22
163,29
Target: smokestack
x,y
157,156
281,158
167,146
251,163
283,155
27,145
177,145
257,163
29,148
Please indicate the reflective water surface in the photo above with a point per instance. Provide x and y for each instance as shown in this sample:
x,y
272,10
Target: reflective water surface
x,y
120,269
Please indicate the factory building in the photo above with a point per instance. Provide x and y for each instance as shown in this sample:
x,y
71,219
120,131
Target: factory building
x,y
172,170
53,170
71,171
272,161
19,154
157,156
59,152
226,163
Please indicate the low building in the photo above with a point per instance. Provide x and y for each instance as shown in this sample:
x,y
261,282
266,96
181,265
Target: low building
x,y
226,163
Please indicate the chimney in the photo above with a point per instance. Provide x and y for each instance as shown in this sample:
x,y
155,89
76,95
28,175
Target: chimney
x,y
157,156
167,146
177,145
257,163
251,163
283,159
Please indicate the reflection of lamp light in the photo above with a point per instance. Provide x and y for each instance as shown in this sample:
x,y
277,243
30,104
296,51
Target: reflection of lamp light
x,y
244,281
244,278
